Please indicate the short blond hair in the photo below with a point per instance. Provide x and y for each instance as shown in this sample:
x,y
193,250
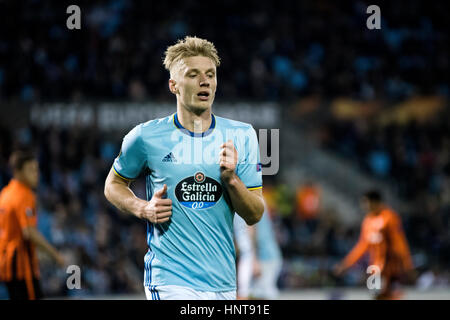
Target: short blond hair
x,y
190,47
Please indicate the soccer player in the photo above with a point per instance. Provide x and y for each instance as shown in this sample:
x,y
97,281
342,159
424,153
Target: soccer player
x,y
260,259
18,233
382,237
200,169
248,263
264,285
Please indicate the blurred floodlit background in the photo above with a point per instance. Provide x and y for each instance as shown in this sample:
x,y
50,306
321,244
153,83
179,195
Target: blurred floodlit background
x,y
356,108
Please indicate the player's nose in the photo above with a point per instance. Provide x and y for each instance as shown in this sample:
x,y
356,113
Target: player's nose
x,y
204,81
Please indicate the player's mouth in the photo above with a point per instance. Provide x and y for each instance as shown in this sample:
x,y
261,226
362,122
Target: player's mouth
x,y
203,95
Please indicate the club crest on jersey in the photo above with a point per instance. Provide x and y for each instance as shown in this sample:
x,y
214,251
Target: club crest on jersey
x,y
199,177
198,191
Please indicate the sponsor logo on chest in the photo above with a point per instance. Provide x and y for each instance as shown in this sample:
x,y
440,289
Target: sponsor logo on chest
x,y
198,191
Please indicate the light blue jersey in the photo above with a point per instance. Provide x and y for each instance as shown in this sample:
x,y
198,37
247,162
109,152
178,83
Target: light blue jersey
x,y
268,248
195,247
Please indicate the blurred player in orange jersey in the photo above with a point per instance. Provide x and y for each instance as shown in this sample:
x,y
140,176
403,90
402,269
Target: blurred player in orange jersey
x,y
18,233
382,237
307,201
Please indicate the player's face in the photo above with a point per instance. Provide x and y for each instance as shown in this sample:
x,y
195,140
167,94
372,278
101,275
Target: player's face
x,y
30,173
197,83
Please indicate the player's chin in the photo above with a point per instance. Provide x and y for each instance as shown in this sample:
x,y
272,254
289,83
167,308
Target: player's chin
x,y
202,105
34,183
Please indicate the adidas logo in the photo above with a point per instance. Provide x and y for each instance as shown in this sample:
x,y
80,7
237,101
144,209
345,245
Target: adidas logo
x,y
169,158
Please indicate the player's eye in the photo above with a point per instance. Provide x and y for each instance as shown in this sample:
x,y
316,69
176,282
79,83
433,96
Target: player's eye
x,y
192,75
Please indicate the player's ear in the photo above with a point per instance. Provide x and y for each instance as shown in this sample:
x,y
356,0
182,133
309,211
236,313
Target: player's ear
x,y
173,86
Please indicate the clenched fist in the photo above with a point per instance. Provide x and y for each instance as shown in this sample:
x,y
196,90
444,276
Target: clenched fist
x,y
158,209
228,158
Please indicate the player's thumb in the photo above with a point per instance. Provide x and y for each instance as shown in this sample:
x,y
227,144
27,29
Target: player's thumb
x,y
161,192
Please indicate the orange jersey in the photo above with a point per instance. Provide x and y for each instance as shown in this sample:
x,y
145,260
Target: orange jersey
x,y
308,201
382,237
17,211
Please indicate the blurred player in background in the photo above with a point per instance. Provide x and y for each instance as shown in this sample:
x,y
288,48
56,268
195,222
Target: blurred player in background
x,y
259,259
269,258
307,201
18,233
383,238
190,202
247,262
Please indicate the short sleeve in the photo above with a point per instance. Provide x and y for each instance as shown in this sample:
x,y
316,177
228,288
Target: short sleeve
x,y
249,168
132,159
26,212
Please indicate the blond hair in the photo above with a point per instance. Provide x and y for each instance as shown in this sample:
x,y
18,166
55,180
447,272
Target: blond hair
x,y
190,47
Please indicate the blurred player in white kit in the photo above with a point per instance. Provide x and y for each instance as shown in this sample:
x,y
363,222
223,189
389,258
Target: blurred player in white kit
x,y
260,259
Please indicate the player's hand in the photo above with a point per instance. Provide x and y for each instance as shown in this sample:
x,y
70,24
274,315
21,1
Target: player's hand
x,y
60,260
158,209
338,270
228,158
410,277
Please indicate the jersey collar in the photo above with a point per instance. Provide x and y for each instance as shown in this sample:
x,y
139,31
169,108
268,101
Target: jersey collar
x,y
195,134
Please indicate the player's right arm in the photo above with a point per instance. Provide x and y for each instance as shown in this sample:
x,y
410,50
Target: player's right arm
x,y
354,255
118,192
128,165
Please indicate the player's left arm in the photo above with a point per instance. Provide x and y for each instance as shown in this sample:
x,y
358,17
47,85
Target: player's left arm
x,y
26,215
247,203
399,241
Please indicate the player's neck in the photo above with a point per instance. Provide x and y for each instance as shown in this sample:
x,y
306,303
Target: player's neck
x,y
21,181
377,210
194,122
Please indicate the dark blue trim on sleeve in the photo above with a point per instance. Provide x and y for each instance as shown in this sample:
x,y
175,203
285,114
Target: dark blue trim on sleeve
x,y
255,187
